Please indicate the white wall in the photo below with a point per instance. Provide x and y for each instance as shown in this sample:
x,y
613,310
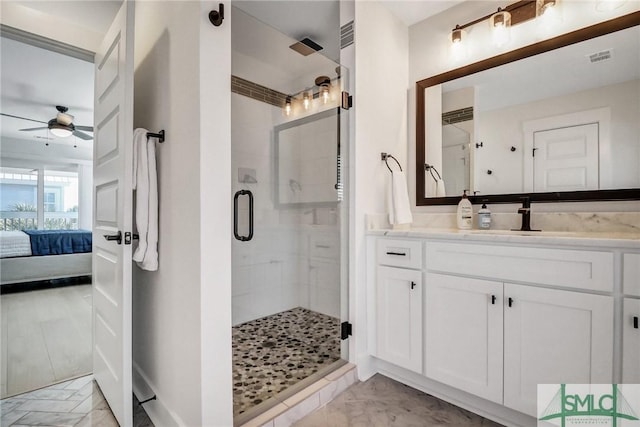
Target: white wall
x,y
380,114
182,312
430,55
619,152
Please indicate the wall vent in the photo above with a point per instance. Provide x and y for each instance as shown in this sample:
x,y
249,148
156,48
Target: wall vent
x,y
603,55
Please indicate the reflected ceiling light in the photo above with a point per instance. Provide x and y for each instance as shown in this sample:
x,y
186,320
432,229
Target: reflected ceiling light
x,y
324,83
608,5
500,23
287,106
306,100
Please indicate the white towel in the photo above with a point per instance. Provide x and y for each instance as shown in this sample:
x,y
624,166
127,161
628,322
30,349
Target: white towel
x,y
440,190
398,200
145,182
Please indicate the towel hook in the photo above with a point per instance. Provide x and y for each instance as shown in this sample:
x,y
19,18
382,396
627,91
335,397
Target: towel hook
x,y
385,157
159,135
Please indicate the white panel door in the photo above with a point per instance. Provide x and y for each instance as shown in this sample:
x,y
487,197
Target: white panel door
x,y
554,337
112,176
463,334
631,341
566,159
399,317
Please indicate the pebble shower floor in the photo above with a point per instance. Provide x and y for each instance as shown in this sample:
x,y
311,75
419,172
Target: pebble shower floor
x,y
275,352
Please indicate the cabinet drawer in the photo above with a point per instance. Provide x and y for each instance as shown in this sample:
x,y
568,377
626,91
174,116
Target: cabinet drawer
x,y
560,267
631,274
400,253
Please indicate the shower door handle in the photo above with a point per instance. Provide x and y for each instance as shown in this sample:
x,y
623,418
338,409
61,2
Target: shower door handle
x,y
235,215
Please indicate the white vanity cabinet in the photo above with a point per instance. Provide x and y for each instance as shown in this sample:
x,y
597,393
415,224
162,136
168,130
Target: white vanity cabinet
x,y
398,303
631,341
463,334
551,337
399,317
496,319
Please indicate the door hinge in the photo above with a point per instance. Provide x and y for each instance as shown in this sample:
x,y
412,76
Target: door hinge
x,y
128,236
347,100
346,330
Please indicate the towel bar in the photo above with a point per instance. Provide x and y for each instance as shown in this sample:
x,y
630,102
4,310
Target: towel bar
x,y
159,135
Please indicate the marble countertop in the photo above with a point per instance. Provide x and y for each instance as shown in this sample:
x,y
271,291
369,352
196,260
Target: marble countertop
x,y
620,240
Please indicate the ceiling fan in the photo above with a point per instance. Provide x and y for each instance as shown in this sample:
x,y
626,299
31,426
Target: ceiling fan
x,y
61,125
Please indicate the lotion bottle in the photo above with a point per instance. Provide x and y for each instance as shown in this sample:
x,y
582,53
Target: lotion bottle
x,y
465,213
484,217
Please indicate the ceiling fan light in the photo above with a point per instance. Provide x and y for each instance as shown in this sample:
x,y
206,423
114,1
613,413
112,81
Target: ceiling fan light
x,y
60,131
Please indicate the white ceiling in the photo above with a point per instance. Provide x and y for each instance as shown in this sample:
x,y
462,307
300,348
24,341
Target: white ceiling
x,y
34,81
95,15
413,11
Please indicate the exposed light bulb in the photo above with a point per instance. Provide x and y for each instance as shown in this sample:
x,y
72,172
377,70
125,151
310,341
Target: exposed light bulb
x,y
549,16
500,27
287,106
458,48
324,91
306,101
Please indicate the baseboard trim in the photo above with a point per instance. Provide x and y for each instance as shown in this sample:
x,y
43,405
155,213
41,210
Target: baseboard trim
x,y
159,414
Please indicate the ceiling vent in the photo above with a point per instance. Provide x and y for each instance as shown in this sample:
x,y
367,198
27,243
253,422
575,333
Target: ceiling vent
x,y
603,55
306,47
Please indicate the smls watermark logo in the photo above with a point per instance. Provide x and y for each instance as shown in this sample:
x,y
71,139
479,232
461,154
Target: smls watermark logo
x,y
594,405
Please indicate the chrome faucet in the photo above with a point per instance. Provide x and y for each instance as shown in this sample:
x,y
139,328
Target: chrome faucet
x,y
525,211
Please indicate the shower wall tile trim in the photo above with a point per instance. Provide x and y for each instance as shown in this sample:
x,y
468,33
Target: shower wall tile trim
x,y
457,116
346,35
255,91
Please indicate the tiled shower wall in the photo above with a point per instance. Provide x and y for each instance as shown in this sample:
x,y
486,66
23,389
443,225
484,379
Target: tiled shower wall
x,y
290,262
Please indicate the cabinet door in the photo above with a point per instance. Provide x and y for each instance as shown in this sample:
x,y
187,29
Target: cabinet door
x,y
399,317
631,341
463,334
554,337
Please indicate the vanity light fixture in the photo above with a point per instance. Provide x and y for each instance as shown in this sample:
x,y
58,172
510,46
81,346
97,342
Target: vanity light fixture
x,y
287,106
306,100
324,83
500,23
458,36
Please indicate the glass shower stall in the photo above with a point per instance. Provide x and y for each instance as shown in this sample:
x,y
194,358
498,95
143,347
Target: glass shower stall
x,y
290,210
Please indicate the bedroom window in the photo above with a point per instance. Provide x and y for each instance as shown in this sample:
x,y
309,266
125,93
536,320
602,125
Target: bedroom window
x,y
60,200
20,207
18,198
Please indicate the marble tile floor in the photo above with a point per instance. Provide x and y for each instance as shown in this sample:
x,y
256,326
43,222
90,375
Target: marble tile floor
x,y
383,402
74,403
273,353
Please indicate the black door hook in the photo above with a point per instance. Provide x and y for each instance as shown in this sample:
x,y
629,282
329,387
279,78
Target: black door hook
x,y
216,17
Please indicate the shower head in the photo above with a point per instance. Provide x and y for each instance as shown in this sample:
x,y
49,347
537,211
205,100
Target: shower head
x,y
306,47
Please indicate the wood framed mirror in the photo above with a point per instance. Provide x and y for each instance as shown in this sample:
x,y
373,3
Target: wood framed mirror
x,y
612,173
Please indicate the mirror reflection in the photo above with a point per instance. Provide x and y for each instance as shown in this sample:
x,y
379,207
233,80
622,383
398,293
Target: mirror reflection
x,y
564,120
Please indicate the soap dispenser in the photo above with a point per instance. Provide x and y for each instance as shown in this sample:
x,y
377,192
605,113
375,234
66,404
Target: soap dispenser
x,y
484,217
464,213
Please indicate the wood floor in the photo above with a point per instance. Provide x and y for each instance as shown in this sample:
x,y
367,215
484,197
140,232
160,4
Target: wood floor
x,y
46,337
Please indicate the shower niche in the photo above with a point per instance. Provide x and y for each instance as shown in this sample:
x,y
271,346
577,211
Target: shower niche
x,y
289,281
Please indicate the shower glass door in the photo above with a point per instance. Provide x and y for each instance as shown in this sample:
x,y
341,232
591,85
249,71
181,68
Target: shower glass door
x,y
290,216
